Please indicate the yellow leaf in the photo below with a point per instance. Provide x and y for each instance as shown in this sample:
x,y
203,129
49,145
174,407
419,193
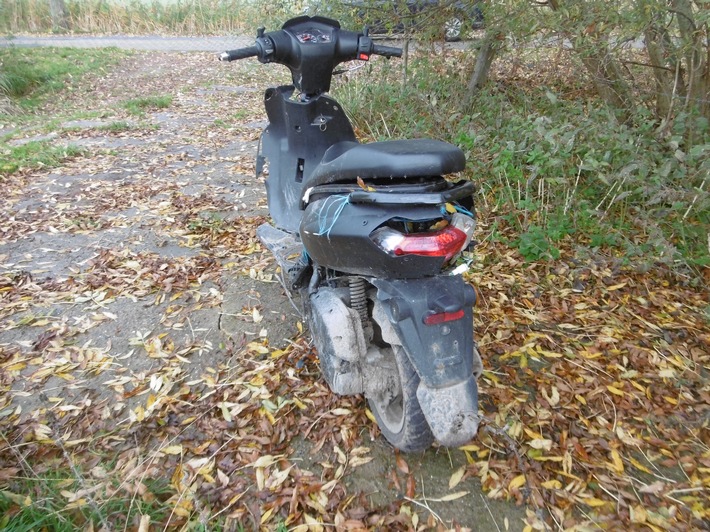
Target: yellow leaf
x,y
177,479
225,412
615,391
470,447
172,449
451,496
638,514
517,482
638,465
638,386
594,502
670,400
456,477
541,443
266,460
370,415
618,463
313,524
616,287
267,515
532,434
580,399
552,485
298,403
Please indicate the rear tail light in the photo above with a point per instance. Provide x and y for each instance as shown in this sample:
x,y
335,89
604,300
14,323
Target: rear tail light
x,y
446,242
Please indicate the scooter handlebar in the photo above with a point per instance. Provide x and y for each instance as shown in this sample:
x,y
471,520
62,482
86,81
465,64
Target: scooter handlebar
x,y
386,51
239,53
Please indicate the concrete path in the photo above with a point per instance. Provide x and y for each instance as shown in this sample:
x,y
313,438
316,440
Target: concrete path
x,y
130,42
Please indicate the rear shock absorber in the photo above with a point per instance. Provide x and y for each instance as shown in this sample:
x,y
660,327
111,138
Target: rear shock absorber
x,y
358,298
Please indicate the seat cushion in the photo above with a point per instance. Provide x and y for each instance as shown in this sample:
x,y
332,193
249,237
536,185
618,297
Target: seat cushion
x,y
346,161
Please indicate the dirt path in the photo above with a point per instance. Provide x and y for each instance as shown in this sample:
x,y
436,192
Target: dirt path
x,y
142,326
132,42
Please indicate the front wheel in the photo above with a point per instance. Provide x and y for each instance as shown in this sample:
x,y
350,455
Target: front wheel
x,y
396,407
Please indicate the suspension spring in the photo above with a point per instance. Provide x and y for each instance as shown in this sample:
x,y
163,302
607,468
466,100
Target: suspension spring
x,y
358,297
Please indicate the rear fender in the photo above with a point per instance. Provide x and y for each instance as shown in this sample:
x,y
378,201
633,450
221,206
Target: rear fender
x,y
442,354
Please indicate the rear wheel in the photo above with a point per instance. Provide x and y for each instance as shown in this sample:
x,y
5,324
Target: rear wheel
x,y
396,407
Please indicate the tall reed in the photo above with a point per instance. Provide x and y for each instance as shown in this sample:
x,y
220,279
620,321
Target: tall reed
x,y
183,17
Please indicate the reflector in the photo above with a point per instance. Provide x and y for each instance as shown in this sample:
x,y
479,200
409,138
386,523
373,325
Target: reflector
x,y
443,317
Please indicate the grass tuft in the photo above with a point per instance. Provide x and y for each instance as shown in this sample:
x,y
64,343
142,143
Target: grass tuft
x,y
138,106
36,154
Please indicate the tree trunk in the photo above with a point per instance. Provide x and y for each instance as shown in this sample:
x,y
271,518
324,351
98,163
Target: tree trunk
x,y
60,15
607,77
604,69
697,64
484,60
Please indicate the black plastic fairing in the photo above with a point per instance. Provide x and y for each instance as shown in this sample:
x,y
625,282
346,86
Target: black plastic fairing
x,y
336,235
298,135
441,354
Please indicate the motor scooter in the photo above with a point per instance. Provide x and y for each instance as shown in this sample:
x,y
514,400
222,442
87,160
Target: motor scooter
x,y
367,234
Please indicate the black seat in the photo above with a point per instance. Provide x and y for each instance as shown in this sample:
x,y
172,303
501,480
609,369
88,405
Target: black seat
x,y
345,161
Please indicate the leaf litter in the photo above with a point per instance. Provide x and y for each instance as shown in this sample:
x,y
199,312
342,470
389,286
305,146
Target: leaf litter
x,y
116,360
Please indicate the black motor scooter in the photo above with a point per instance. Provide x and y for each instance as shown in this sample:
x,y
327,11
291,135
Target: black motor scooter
x,y
367,234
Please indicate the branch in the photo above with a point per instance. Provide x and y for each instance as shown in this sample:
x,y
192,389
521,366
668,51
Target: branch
x,y
659,67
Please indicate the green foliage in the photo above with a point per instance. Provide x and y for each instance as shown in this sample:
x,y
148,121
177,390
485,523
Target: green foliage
x,y
35,154
43,503
29,74
138,106
117,127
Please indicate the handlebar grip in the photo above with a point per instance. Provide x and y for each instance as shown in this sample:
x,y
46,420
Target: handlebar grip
x,y
239,53
386,51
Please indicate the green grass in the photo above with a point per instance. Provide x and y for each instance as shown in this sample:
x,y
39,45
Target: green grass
x,y
44,502
138,106
29,75
117,127
35,154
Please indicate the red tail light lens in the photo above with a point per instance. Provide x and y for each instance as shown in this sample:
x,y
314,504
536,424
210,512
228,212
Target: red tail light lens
x,y
445,242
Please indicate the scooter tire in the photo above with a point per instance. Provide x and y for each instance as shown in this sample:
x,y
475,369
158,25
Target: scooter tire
x,y
398,413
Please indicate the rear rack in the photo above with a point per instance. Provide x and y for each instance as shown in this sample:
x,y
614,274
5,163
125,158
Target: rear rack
x,y
406,194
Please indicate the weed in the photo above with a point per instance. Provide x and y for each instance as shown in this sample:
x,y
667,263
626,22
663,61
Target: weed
x,y
35,154
54,501
138,106
116,127
28,75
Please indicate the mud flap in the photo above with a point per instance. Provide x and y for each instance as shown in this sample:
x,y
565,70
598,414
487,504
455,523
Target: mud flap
x,y
444,355
452,412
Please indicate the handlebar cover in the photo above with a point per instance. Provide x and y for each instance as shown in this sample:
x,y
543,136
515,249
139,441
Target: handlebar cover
x,y
239,53
386,51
